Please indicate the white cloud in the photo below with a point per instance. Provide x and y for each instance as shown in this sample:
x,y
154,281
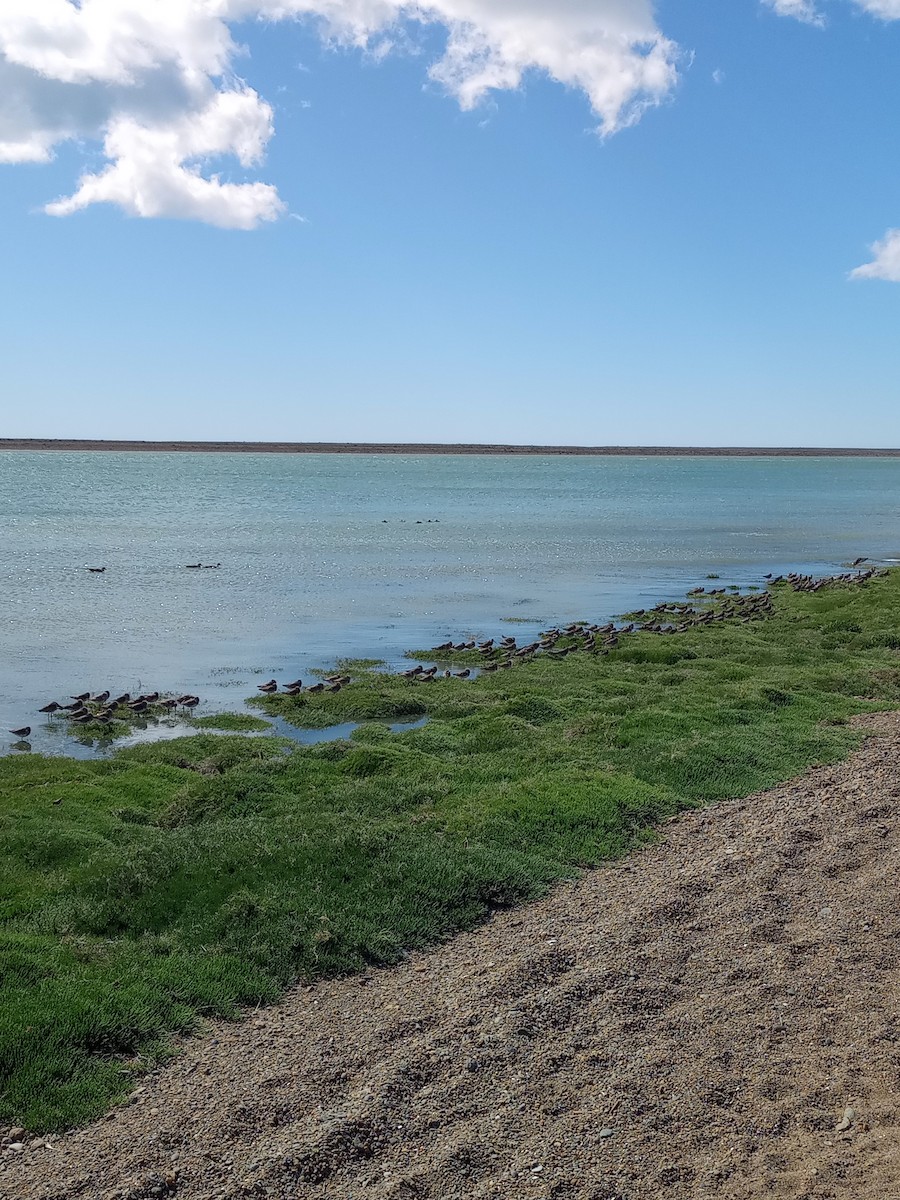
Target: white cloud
x,y
800,10
152,82
885,263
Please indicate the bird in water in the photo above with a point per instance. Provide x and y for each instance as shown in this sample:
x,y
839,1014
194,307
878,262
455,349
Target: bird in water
x,y
21,733
96,570
51,708
84,696
271,686
193,566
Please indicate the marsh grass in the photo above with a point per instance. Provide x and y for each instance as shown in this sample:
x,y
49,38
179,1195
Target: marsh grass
x,y
192,876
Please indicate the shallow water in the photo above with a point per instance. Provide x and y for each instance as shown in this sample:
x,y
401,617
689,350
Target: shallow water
x,y
326,556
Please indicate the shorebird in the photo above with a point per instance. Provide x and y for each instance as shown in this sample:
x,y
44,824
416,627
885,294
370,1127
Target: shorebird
x,y
316,687
487,667
333,687
96,570
100,698
190,702
82,718
271,686
52,707
150,697
193,566
857,561
295,683
84,696
138,706
21,733
444,646
291,691
123,699
463,674
169,704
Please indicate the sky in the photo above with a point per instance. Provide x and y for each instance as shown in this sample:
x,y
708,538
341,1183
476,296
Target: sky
x,y
580,222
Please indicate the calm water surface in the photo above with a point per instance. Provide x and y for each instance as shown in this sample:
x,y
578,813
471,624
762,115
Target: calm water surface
x,y
323,556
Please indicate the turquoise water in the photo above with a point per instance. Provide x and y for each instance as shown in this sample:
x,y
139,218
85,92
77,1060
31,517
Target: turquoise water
x,y
324,556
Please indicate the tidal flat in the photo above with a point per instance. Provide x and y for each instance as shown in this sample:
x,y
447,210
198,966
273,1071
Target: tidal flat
x,y
203,874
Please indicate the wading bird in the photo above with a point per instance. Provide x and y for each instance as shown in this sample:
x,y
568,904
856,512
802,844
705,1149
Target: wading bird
x,y
21,733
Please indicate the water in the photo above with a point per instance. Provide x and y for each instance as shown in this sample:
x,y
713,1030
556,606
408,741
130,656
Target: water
x,y
323,556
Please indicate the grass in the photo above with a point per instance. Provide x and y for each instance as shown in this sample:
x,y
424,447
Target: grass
x,y
233,722
195,875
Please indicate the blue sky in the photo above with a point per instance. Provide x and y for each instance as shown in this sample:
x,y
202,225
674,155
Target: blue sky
x,y
433,273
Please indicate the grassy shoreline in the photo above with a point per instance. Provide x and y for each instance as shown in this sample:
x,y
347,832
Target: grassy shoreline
x,y
193,876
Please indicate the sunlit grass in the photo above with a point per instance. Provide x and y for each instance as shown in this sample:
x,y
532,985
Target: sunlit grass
x,y
195,875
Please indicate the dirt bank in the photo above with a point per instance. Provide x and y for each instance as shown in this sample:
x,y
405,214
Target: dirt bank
x,y
693,1022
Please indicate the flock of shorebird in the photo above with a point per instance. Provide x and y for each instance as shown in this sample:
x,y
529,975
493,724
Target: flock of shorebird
x,y
667,617
103,709
332,683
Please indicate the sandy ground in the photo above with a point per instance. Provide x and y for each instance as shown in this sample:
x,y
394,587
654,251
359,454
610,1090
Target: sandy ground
x,y
694,1022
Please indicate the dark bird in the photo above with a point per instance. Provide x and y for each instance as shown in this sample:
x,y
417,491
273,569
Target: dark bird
x,y
21,733
191,702
291,691
72,707
316,687
52,707
295,683
193,566
96,570
84,696
82,718
769,576
333,687
169,704
150,697
123,699
138,706
100,698
463,674
211,566
488,667
271,686
856,562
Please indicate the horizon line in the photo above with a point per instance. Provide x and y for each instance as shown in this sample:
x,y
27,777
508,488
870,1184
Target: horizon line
x,y
469,448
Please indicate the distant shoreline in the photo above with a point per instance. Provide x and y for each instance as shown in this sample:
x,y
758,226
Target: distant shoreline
x,y
432,448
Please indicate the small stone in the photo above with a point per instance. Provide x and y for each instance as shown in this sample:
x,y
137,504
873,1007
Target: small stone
x,y
15,1132
847,1120
606,1132
16,1146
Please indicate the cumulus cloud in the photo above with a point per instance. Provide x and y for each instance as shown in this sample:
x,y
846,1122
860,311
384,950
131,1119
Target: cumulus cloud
x,y
153,83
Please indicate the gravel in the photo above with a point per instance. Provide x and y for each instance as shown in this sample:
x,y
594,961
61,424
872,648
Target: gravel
x,y
717,1016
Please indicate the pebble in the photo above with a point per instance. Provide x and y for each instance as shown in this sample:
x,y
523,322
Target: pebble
x,y
606,1132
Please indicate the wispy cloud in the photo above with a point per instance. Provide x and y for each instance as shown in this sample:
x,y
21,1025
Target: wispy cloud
x,y
800,10
885,262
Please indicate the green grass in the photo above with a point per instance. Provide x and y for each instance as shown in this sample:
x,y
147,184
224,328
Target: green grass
x,y
233,722
196,875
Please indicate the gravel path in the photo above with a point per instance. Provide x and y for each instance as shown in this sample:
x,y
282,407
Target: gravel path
x,y
693,1022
